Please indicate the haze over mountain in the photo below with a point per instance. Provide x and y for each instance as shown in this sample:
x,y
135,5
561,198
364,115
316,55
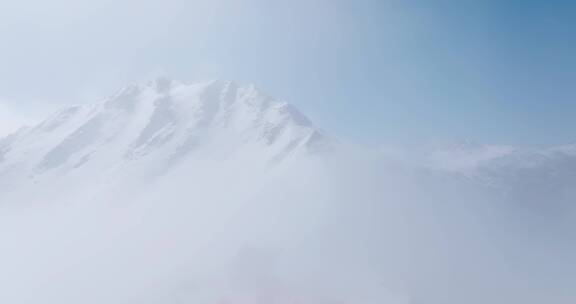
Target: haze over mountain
x,y
214,192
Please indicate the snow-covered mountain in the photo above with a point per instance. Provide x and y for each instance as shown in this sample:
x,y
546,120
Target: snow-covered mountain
x,y
154,127
149,129
207,192
487,164
505,167
214,192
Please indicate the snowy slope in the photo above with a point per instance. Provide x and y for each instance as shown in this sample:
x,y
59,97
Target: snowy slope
x,y
151,128
506,166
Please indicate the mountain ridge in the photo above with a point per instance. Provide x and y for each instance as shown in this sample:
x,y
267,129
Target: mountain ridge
x,y
156,125
163,121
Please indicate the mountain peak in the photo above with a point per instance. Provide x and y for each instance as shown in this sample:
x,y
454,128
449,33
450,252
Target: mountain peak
x,y
161,123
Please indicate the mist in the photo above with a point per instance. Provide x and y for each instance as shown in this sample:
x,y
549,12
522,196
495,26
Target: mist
x,y
350,227
215,192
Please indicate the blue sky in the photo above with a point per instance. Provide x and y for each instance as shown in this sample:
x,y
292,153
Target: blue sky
x,y
371,71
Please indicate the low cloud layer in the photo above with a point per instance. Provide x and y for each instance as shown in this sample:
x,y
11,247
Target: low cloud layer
x,y
340,230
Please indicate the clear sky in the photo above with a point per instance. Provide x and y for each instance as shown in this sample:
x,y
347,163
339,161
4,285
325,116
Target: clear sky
x,y
499,71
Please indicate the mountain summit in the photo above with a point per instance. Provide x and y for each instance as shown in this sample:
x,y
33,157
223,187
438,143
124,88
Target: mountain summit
x,y
159,124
